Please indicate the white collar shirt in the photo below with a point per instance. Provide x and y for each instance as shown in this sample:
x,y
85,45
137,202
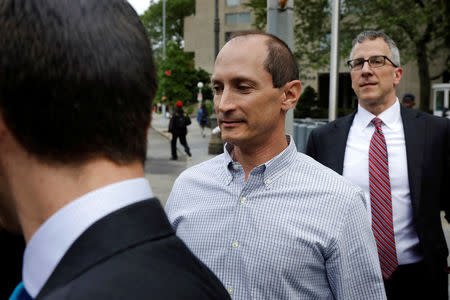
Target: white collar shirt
x,y
54,237
356,169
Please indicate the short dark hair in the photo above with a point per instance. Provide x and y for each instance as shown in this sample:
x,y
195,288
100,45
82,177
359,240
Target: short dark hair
x,y
280,62
77,79
408,97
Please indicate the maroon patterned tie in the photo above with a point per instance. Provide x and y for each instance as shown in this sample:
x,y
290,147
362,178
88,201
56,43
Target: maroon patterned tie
x,y
381,202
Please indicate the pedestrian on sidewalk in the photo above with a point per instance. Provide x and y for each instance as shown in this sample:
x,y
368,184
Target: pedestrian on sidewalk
x,y
178,124
202,118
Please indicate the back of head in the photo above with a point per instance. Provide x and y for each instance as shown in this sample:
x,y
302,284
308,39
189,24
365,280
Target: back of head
x,y
77,79
280,62
408,97
372,35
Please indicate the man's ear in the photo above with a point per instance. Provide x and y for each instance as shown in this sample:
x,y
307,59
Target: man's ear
x,y
292,91
398,72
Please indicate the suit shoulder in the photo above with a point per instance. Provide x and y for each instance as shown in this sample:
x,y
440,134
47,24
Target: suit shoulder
x,y
432,120
333,124
162,269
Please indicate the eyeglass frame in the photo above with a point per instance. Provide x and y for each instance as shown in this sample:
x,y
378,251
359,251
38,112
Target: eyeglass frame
x,y
367,60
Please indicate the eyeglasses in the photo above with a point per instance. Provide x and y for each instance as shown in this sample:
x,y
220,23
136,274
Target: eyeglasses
x,y
373,61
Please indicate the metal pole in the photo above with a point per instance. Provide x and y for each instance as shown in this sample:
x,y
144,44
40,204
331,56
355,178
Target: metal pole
x,y
281,24
334,62
216,30
164,55
164,28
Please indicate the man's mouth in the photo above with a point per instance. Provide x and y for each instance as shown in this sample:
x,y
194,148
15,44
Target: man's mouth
x,y
230,123
367,84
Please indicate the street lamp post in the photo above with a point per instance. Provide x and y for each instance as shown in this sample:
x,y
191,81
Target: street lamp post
x,y
200,95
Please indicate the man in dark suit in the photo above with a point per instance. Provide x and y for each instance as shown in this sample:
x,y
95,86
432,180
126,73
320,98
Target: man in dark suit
x,y
11,252
77,79
415,177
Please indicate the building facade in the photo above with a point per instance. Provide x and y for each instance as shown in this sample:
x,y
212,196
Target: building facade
x,y
234,16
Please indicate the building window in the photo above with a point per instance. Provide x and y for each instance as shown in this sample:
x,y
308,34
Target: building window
x,y
237,18
232,2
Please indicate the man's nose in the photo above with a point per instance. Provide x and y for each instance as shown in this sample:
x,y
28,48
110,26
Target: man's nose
x,y
366,69
226,101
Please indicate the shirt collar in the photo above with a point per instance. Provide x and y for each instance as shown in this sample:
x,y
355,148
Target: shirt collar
x,y
390,116
272,169
54,237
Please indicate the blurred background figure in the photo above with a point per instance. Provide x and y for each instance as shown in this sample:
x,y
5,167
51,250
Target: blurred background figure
x,y
178,127
202,118
408,100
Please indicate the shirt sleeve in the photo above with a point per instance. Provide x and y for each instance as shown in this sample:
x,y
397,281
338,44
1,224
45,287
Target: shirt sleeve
x,y
353,268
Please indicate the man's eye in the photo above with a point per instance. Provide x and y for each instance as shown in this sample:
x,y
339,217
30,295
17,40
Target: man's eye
x,y
243,87
217,88
376,60
358,62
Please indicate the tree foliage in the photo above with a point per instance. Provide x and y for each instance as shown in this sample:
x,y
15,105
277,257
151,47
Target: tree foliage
x,y
421,29
178,78
177,75
176,10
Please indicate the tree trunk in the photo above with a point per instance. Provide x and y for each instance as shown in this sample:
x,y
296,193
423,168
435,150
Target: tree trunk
x,y
424,76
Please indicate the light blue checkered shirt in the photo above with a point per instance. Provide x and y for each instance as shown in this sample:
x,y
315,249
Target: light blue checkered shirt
x,y
294,230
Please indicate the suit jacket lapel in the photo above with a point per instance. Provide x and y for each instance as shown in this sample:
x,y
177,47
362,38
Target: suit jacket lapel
x,y
414,128
136,223
339,138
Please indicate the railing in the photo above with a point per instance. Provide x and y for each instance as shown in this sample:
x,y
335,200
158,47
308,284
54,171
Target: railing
x,y
302,129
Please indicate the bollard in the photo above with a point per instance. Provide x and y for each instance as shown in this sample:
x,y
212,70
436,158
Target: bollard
x,y
215,142
300,137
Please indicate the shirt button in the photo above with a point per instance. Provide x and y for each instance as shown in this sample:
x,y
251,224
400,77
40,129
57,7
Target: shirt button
x,y
235,166
243,200
268,181
235,244
229,178
230,291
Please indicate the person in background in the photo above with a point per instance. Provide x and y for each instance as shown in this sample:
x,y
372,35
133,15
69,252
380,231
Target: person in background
x,y
408,100
400,157
77,79
269,221
202,118
179,121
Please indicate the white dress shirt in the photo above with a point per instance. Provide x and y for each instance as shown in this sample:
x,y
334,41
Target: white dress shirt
x,y
51,241
356,169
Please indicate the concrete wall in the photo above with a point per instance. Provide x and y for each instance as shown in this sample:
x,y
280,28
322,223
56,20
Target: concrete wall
x,y
199,30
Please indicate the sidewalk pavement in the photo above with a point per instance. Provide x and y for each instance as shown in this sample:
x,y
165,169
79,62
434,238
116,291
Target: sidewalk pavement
x,y
197,143
159,169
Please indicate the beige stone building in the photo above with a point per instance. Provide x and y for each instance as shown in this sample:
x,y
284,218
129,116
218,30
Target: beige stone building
x,y
199,28
234,17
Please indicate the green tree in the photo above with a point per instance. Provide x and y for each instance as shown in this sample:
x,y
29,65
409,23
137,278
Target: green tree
x,y
178,78
176,10
307,105
421,29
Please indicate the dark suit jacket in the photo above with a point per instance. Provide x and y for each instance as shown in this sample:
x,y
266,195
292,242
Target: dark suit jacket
x,y
11,256
427,140
132,253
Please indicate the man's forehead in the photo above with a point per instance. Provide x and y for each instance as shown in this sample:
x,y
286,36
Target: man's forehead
x,y
376,46
237,49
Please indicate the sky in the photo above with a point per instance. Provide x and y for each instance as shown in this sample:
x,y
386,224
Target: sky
x,y
140,5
